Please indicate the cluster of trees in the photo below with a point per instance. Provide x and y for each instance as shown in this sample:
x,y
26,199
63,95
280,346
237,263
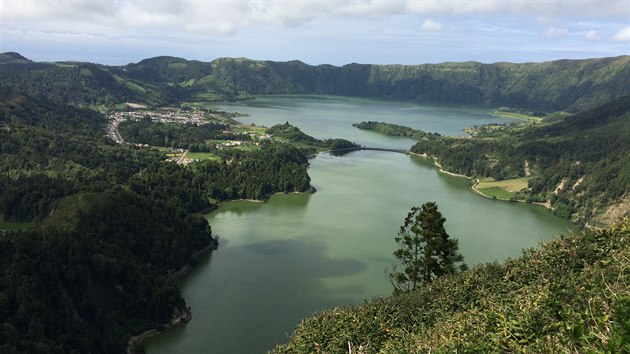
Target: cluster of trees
x,y
396,130
426,251
185,136
308,143
256,174
591,147
94,273
110,223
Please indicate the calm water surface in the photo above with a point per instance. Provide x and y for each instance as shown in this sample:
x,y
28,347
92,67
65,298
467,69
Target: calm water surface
x,y
285,259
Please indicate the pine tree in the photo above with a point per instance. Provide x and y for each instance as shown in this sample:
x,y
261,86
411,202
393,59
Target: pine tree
x,y
426,251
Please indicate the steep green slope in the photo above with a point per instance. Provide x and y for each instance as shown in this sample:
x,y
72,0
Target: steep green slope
x,y
579,164
94,273
571,85
81,84
568,296
184,79
93,268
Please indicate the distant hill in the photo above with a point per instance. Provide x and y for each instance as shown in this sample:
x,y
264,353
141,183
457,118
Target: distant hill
x,y
571,85
12,58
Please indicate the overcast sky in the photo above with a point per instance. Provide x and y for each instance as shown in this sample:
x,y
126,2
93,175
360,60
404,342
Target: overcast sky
x,y
317,32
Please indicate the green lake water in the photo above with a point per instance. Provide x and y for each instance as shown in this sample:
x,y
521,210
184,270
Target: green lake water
x,y
294,255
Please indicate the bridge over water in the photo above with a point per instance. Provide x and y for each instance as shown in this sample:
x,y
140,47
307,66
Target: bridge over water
x,y
400,151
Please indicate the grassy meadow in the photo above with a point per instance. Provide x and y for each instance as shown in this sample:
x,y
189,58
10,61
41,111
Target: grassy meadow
x,y
504,189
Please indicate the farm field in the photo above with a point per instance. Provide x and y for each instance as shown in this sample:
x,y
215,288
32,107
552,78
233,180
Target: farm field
x,y
504,189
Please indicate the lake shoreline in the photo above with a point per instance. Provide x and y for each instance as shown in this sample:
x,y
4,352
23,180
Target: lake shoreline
x,y
437,164
135,344
473,188
310,190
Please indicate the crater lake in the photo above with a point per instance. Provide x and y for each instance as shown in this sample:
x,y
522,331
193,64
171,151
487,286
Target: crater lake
x,y
282,260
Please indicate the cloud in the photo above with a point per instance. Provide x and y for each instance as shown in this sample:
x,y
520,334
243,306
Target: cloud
x,y
206,14
592,36
556,32
430,25
548,8
623,35
163,24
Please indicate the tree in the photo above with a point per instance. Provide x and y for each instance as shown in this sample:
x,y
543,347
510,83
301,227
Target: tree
x,y
426,251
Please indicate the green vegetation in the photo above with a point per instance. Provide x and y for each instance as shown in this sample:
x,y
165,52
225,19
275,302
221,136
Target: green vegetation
x,y
396,130
93,266
569,85
515,114
506,189
569,295
307,143
94,272
108,223
426,252
205,141
579,163
12,58
250,129
510,185
14,226
202,156
184,136
497,193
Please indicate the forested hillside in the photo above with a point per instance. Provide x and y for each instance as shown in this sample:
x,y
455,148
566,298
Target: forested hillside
x,y
104,225
93,267
571,85
580,164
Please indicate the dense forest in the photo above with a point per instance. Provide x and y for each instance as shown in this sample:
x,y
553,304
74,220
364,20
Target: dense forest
x,y
108,224
185,136
567,296
580,163
396,130
307,143
571,85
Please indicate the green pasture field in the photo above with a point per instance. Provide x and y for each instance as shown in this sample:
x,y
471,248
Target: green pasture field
x,y
509,185
202,156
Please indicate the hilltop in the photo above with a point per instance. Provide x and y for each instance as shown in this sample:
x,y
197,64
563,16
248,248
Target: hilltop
x,y
569,85
12,58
